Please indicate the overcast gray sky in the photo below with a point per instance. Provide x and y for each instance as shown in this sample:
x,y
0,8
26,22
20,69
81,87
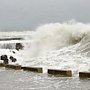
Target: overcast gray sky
x,y
31,13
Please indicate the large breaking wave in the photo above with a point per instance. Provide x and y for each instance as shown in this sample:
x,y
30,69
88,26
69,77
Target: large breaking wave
x,y
56,36
57,45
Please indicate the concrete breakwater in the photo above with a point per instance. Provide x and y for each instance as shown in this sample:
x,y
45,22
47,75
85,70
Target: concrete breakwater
x,y
54,72
16,67
19,67
11,43
33,69
84,74
6,39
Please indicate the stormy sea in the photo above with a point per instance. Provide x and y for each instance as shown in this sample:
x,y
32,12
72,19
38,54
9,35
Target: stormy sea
x,y
64,46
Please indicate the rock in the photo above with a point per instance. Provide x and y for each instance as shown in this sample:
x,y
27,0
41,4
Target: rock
x,y
13,59
13,52
19,46
5,59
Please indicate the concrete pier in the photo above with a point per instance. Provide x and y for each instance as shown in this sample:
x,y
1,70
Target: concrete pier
x,y
84,74
64,73
33,69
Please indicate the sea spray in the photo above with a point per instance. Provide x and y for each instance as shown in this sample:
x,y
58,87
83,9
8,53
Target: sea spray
x,y
56,36
58,46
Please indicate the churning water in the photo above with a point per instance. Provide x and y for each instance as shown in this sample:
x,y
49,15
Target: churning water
x,y
20,80
59,46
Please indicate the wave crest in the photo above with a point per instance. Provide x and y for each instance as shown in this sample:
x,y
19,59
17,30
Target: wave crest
x,y
55,36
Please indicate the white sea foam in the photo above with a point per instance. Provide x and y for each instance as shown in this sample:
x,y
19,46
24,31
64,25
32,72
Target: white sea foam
x,y
60,46
56,36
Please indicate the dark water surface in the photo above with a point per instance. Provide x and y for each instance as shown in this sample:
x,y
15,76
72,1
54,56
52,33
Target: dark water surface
x,y
22,80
